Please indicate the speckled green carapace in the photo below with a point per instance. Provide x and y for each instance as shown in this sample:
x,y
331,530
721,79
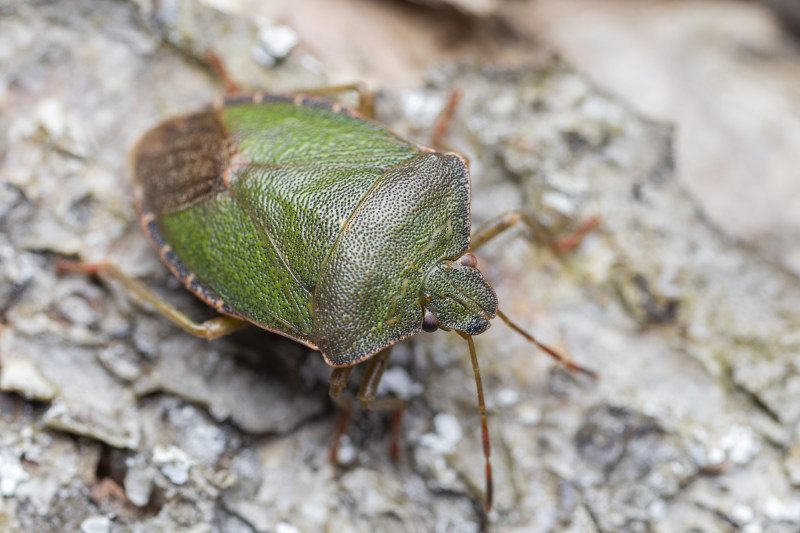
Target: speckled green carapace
x,y
309,220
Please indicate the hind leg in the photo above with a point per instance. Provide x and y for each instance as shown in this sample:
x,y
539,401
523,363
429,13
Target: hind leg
x,y
366,398
210,329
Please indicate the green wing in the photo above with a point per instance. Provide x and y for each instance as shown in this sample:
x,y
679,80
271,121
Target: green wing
x,y
227,252
302,209
307,169
282,133
259,237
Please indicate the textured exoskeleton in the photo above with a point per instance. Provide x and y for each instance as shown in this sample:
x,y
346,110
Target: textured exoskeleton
x,y
311,221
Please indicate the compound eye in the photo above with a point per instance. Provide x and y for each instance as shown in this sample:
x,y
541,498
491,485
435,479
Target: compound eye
x,y
468,260
429,322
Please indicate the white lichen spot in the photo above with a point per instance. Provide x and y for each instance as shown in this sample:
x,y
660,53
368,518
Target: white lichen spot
x,y
507,397
311,63
657,509
66,131
138,481
117,361
273,43
529,415
11,472
715,457
397,381
742,514
505,103
782,511
225,6
285,527
173,462
22,376
51,117
421,107
447,434
741,444
96,524
752,527
563,203
78,310
347,452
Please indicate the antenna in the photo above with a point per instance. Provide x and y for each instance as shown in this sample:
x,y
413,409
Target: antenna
x,y
487,449
571,365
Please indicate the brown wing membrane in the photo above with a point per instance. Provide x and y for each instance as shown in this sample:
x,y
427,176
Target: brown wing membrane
x,y
179,163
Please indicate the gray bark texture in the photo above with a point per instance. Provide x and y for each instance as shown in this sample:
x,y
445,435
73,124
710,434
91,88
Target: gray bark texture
x,y
114,420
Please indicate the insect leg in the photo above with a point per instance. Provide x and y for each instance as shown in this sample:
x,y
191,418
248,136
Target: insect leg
x,y
337,382
366,98
443,122
372,377
210,329
366,397
499,224
368,390
218,66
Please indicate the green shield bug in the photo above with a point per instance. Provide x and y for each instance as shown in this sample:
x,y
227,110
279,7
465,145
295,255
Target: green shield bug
x,y
310,220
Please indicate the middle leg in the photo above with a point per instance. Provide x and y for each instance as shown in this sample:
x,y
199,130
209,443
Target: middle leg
x,y
499,224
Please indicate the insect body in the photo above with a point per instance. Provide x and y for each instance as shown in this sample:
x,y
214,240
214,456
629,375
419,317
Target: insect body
x,y
308,220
